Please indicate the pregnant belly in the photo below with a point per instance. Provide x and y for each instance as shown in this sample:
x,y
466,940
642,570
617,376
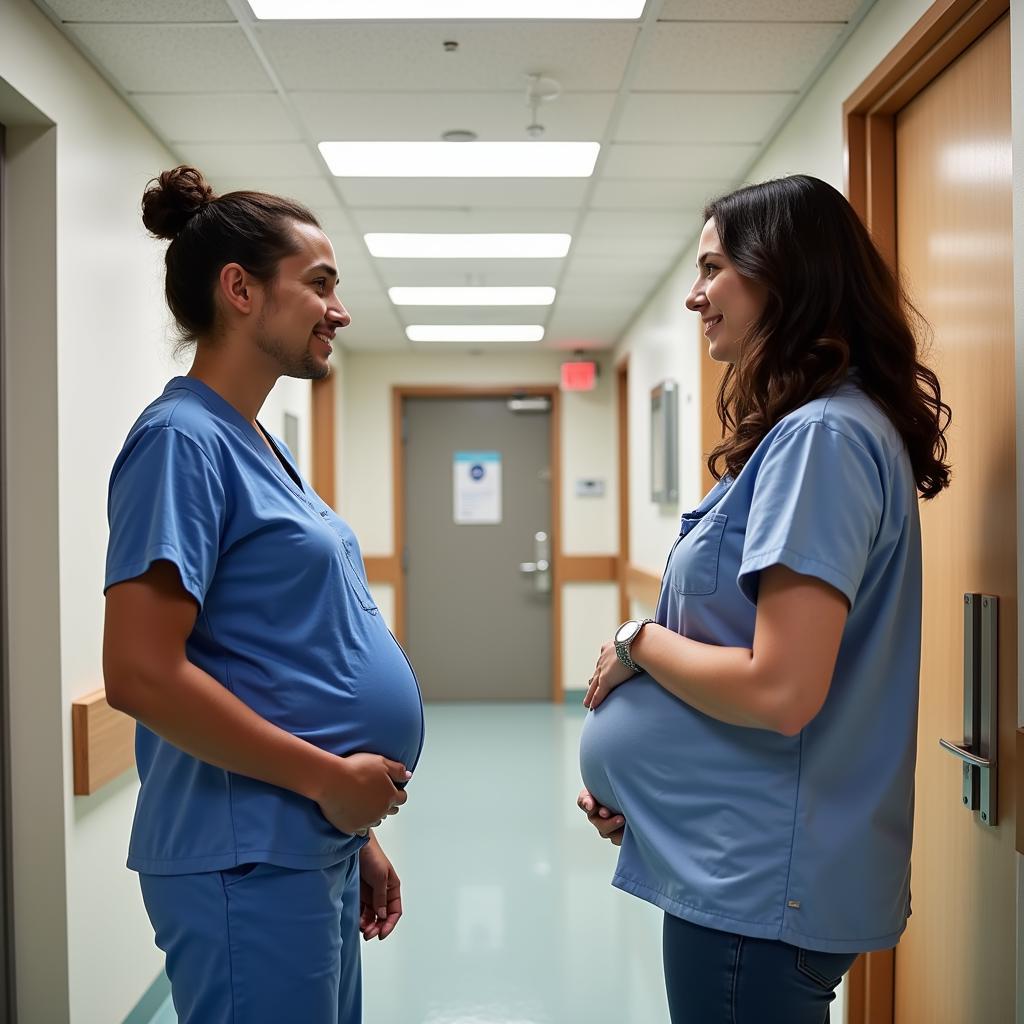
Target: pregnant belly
x,y
631,742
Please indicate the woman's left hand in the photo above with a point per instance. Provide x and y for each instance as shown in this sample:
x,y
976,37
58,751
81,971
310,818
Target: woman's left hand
x,y
380,892
609,673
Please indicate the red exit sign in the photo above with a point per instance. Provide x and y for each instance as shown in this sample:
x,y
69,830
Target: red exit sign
x,y
579,376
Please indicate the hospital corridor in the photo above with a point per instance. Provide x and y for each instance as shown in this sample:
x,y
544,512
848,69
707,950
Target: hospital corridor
x,y
511,511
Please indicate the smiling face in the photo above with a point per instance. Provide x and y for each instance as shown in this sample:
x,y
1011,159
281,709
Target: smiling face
x,y
301,309
729,304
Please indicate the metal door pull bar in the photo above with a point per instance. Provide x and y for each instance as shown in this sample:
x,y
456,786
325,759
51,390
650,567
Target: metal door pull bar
x,y
965,755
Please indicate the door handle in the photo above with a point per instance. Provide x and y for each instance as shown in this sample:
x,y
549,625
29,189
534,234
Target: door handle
x,y
979,751
540,569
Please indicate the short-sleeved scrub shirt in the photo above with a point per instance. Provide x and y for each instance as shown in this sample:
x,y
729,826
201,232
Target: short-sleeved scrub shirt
x,y
803,839
286,623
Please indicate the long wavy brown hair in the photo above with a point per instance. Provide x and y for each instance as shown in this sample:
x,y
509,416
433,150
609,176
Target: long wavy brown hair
x,y
833,305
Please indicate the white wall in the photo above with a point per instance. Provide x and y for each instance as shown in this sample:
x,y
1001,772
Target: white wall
x,y
588,426
87,349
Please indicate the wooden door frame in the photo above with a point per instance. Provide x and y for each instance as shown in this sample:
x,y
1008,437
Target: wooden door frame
x,y
323,439
389,569
943,33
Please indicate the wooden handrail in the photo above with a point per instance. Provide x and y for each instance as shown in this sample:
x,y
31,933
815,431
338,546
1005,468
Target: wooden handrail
x,y
103,742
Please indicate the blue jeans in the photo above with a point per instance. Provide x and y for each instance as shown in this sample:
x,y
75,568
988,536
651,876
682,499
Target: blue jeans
x,y
715,977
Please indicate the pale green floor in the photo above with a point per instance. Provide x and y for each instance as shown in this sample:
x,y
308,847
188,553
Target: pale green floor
x,y
509,914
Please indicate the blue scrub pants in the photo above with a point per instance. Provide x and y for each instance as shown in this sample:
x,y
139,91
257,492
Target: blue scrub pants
x,y
715,977
260,944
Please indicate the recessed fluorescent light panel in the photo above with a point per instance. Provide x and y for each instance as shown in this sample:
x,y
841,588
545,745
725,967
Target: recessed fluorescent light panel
x,y
460,159
474,332
474,296
395,245
461,10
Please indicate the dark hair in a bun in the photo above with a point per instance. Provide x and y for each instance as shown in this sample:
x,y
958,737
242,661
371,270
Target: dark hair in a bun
x,y
172,199
207,231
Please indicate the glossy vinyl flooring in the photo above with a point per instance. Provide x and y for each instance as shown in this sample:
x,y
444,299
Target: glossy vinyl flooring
x,y
510,917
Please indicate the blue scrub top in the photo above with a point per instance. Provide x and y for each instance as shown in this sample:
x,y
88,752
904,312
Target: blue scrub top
x,y
286,622
804,839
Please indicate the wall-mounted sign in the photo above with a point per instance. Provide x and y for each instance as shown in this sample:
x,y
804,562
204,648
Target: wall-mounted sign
x,y
477,487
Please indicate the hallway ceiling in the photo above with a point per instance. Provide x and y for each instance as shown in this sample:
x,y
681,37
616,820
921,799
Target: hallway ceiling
x,y
682,100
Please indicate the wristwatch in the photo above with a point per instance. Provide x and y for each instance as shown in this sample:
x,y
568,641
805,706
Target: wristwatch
x,y
624,637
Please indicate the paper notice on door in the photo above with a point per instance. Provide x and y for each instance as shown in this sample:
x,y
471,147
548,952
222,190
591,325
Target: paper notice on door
x,y
477,479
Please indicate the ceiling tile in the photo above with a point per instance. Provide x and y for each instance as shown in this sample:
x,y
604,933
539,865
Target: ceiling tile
x,y
637,160
701,117
610,269
141,10
399,56
589,244
657,223
175,58
494,116
595,326
314,192
222,117
518,273
465,220
462,193
722,57
249,161
647,194
759,10
373,325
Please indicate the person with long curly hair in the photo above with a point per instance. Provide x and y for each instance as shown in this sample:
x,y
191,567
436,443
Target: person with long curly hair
x,y
751,749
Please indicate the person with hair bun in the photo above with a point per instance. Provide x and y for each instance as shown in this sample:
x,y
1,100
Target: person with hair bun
x,y
277,715
751,749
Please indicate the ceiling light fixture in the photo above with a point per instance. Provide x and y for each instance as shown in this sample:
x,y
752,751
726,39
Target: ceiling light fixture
x,y
472,296
490,246
474,332
449,10
469,160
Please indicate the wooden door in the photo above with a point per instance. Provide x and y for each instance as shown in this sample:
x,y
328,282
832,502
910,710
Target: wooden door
x,y
956,963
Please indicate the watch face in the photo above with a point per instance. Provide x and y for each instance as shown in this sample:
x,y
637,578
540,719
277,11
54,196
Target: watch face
x,y
626,631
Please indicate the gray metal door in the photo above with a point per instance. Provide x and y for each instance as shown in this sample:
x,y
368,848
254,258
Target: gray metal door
x,y
478,601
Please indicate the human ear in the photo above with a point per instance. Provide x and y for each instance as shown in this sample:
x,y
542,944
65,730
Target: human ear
x,y
235,287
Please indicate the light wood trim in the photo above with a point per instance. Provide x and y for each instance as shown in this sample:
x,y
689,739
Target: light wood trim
x,y
590,568
102,740
945,31
870,988
323,439
398,504
398,395
711,373
622,404
643,586
941,35
383,569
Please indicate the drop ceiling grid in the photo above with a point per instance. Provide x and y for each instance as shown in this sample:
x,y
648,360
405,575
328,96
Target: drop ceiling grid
x,y
174,58
644,204
759,10
386,57
494,116
142,10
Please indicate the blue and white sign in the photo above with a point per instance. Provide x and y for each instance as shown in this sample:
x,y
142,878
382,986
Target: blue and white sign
x,y
477,477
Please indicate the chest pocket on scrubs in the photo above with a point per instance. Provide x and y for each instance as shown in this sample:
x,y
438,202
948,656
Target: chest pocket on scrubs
x,y
694,568
355,581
